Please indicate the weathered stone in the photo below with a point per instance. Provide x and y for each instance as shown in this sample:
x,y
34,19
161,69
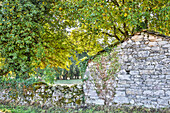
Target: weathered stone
x,y
137,38
163,101
146,36
166,46
155,48
121,100
161,76
159,67
146,71
148,92
129,41
151,44
149,59
132,101
124,77
122,72
152,38
134,72
124,44
159,38
133,91
167,93
149,106
122,82
154,77
147,42
167,54
167,76
159,92
140,97
143,53
120,93
162,42
99,102
137,43
150,67
120,89
167,71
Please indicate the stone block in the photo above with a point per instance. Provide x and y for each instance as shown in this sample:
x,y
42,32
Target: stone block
x,y
167,54
156,57
122,72
167,93
139,104
150,67
147,42
146,35
129,41
137,38
152,38
146,72
124,44
166,46
133,91
159,67
163,102
99,102
147,48
124,77
159,92
122,82
132,101
120,89
167,76
120,93
134,72
161,76
162,42
149,106
138,43
148,92
159,38
151,44
121,100
155,48
143,53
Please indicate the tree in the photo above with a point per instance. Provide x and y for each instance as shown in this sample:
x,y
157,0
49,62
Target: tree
x,y
115,18
33,33
21,23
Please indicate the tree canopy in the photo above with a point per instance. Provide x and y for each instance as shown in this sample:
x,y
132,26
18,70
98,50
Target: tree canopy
x,y
33,32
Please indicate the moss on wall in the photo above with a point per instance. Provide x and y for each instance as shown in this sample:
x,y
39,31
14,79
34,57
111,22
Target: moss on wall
x,y
45,95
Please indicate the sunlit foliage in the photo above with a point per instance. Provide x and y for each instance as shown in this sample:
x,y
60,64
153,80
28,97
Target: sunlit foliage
x,y
33,32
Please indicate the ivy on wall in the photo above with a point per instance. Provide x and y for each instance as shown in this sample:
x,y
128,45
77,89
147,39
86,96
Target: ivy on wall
x,y
104,74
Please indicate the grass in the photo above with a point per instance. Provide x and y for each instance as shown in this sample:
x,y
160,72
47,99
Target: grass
x,y
78,81
89,109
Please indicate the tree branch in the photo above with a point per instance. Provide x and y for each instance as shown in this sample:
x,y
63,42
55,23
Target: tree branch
x,y
112,35
115,2
121,31
125,29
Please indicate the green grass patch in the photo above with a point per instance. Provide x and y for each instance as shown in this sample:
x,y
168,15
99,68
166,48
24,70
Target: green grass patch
x,y
78,81
87,109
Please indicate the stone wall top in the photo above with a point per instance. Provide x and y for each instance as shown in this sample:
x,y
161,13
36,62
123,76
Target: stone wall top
x,y
152,33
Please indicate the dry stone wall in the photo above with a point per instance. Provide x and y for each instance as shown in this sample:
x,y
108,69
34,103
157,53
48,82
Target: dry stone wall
x,y
144,76
46,96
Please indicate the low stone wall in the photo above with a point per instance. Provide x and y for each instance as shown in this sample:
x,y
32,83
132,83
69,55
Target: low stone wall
x,y
45,95
144,76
